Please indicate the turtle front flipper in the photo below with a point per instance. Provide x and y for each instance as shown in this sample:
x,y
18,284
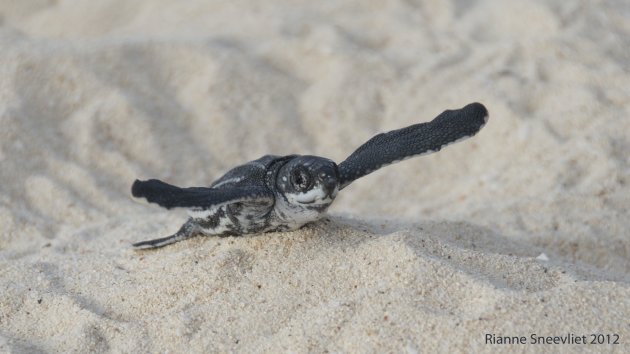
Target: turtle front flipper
x,y
383,149
204,206
195,198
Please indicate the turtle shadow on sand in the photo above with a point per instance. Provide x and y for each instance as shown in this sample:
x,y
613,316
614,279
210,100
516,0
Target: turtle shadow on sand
x,y
477,250
473,249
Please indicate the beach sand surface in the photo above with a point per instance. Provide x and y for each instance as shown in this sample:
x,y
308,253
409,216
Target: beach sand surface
x,y
521,230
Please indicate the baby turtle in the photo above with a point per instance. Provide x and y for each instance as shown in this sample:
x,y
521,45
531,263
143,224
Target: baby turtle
x,y
282,193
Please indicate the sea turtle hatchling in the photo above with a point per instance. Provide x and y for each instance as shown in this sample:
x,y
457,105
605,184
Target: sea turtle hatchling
x,y
282,193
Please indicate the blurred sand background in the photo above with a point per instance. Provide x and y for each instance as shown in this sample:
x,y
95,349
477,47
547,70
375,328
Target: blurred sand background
x,y
522,229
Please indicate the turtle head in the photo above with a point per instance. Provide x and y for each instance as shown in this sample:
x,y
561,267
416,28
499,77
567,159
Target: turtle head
x,y
309,180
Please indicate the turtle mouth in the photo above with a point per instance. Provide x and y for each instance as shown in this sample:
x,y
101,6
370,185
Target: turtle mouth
x,y
323,198
318,200
316,196
326,200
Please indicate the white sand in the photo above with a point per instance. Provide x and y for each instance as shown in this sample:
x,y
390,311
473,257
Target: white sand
x,y
427,255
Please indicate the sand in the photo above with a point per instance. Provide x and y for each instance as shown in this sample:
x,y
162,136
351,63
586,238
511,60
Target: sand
x,y
521,230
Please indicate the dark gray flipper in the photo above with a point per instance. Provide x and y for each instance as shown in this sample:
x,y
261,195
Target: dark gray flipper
x,y
196,198
386,148
188,230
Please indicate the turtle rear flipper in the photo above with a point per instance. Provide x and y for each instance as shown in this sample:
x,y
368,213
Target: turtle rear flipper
x,y
188,230
397,145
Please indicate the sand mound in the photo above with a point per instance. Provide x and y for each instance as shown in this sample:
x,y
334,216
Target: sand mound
x,y
339,285
521,230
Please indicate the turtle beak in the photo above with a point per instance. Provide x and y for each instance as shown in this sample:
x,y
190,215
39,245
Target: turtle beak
x,y
330,186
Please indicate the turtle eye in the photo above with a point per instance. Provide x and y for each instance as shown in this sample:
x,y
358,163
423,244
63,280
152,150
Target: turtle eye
x,y
301,179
